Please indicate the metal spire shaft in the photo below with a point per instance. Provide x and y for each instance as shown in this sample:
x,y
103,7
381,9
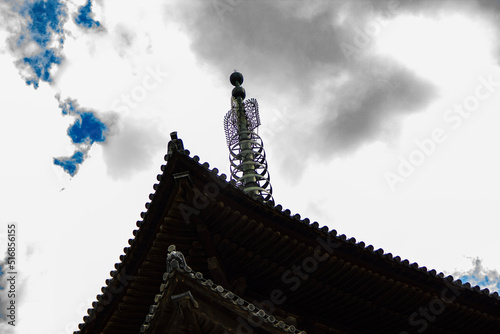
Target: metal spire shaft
x,y
246,150
247,153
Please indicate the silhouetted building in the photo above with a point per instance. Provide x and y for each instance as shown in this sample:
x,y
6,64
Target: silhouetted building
x,y
211,257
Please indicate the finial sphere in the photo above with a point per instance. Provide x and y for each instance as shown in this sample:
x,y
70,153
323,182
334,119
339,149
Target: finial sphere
x,y
236,78
239,91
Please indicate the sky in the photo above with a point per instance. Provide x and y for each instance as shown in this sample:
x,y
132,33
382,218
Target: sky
x,y
378,118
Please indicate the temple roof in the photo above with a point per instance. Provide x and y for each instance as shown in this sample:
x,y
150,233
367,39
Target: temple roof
x,y
264,253
179,273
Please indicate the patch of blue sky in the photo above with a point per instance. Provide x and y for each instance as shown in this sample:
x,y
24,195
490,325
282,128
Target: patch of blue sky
x,y
483,277
84,17
482,281
41,64
1,274
84,132
67,107
71,164
44,18
87,129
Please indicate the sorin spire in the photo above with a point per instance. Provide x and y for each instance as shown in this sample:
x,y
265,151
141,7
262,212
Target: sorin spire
x,y
246,150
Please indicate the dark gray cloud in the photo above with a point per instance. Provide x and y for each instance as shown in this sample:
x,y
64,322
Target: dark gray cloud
x,y
262,38
313,59
316,56
368,107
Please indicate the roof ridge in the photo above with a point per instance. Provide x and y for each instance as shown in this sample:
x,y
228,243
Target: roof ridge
x,y
361,244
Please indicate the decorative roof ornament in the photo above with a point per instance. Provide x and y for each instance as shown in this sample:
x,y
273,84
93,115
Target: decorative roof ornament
x,y
176,260
175,144
246,149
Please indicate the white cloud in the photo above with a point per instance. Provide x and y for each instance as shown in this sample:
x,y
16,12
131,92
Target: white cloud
x,y
484,277
132,146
